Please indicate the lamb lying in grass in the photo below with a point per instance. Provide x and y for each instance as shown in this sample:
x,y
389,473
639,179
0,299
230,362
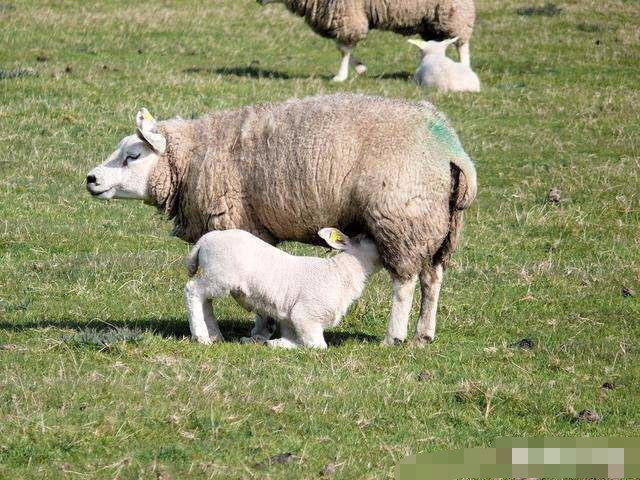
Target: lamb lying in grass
x,y
438,70
305,294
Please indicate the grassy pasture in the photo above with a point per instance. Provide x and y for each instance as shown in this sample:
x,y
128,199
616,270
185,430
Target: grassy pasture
x,y
560,107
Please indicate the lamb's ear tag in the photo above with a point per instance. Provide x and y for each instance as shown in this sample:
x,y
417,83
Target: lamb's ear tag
x,y
336,236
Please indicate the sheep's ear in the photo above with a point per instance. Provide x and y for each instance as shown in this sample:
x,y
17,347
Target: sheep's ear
x,y
334,238
450,41
421,44
147,130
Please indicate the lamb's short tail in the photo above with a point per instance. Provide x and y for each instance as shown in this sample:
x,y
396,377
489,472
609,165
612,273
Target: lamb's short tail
x,y
192,260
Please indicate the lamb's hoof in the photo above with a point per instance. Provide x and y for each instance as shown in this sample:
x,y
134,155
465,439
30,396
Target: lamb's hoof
x,y
392,341
339,78
422,340
208,340
257,339
360,69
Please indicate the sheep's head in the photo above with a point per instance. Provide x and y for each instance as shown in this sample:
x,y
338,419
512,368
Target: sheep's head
x,y
125,173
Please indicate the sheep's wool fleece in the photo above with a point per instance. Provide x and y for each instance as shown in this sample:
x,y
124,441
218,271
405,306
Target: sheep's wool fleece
x,y
349,20
283,171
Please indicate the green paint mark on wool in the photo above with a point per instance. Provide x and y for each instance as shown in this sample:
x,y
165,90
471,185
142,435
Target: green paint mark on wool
x,y
445,135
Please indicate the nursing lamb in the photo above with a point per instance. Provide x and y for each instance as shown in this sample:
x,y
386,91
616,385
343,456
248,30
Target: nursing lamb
x,y
305,294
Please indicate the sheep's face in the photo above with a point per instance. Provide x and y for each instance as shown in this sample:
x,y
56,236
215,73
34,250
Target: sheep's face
x,y
125,174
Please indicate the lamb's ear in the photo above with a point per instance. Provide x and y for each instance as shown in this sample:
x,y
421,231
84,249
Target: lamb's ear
x,y
334,238
147,130
421,44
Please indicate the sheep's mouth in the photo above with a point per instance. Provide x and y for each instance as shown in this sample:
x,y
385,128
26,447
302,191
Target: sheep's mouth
x,y
107,194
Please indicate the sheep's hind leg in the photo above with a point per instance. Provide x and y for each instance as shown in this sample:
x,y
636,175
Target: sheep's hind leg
x,y
204,328
357,65
343,72
400,310
430,283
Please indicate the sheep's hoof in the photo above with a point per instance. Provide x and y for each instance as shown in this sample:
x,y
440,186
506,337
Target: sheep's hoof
x,y
421,340
360,69
391,341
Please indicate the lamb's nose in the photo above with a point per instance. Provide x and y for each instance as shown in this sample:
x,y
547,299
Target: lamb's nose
x,y
91,179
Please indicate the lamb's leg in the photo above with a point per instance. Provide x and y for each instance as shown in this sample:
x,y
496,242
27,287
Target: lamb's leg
x,y
430,282
343,72
288,339
400,310
264,327
463,52
310,334
203,326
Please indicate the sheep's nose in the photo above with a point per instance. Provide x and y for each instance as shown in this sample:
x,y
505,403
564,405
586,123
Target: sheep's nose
x,y
91,179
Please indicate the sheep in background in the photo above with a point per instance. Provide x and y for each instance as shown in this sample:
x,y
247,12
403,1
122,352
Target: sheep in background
x,y
305,294
437,70
390,168
348,22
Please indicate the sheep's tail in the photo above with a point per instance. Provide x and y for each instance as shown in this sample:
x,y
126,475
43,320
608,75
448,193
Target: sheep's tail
x,y
192,260
467,187
463,192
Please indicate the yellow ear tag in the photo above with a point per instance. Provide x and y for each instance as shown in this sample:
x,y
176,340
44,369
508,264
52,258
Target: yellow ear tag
x,y
335,236
147,116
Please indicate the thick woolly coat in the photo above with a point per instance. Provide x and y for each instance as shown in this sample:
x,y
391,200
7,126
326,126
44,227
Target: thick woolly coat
x,y
348,21
390,168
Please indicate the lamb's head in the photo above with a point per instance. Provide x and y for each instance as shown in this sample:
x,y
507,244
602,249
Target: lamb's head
x,y
360,246
432,47
125,173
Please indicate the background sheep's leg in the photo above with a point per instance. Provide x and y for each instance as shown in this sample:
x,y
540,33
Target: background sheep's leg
x,y
203,326
357,65
430,282
343,72
264,327
400,310
463,52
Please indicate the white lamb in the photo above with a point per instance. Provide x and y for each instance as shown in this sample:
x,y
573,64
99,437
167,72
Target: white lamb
x,y
438,70
305,294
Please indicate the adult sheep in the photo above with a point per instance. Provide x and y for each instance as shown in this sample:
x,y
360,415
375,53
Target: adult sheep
x,y
349,21
390,168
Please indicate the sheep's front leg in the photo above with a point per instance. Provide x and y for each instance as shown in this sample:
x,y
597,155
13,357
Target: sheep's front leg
x,y
430,283
203,326
400,310
463,52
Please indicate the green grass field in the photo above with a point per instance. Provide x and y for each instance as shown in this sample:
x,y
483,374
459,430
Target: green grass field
x,y
560,107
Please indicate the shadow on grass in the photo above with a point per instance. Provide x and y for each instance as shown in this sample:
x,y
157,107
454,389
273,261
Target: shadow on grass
x,y
249,72
396,76
233,329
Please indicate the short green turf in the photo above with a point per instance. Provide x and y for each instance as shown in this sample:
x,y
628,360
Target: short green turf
x,y
560,107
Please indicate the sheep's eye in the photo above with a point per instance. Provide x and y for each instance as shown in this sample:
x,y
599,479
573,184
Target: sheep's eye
x,y
130,157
